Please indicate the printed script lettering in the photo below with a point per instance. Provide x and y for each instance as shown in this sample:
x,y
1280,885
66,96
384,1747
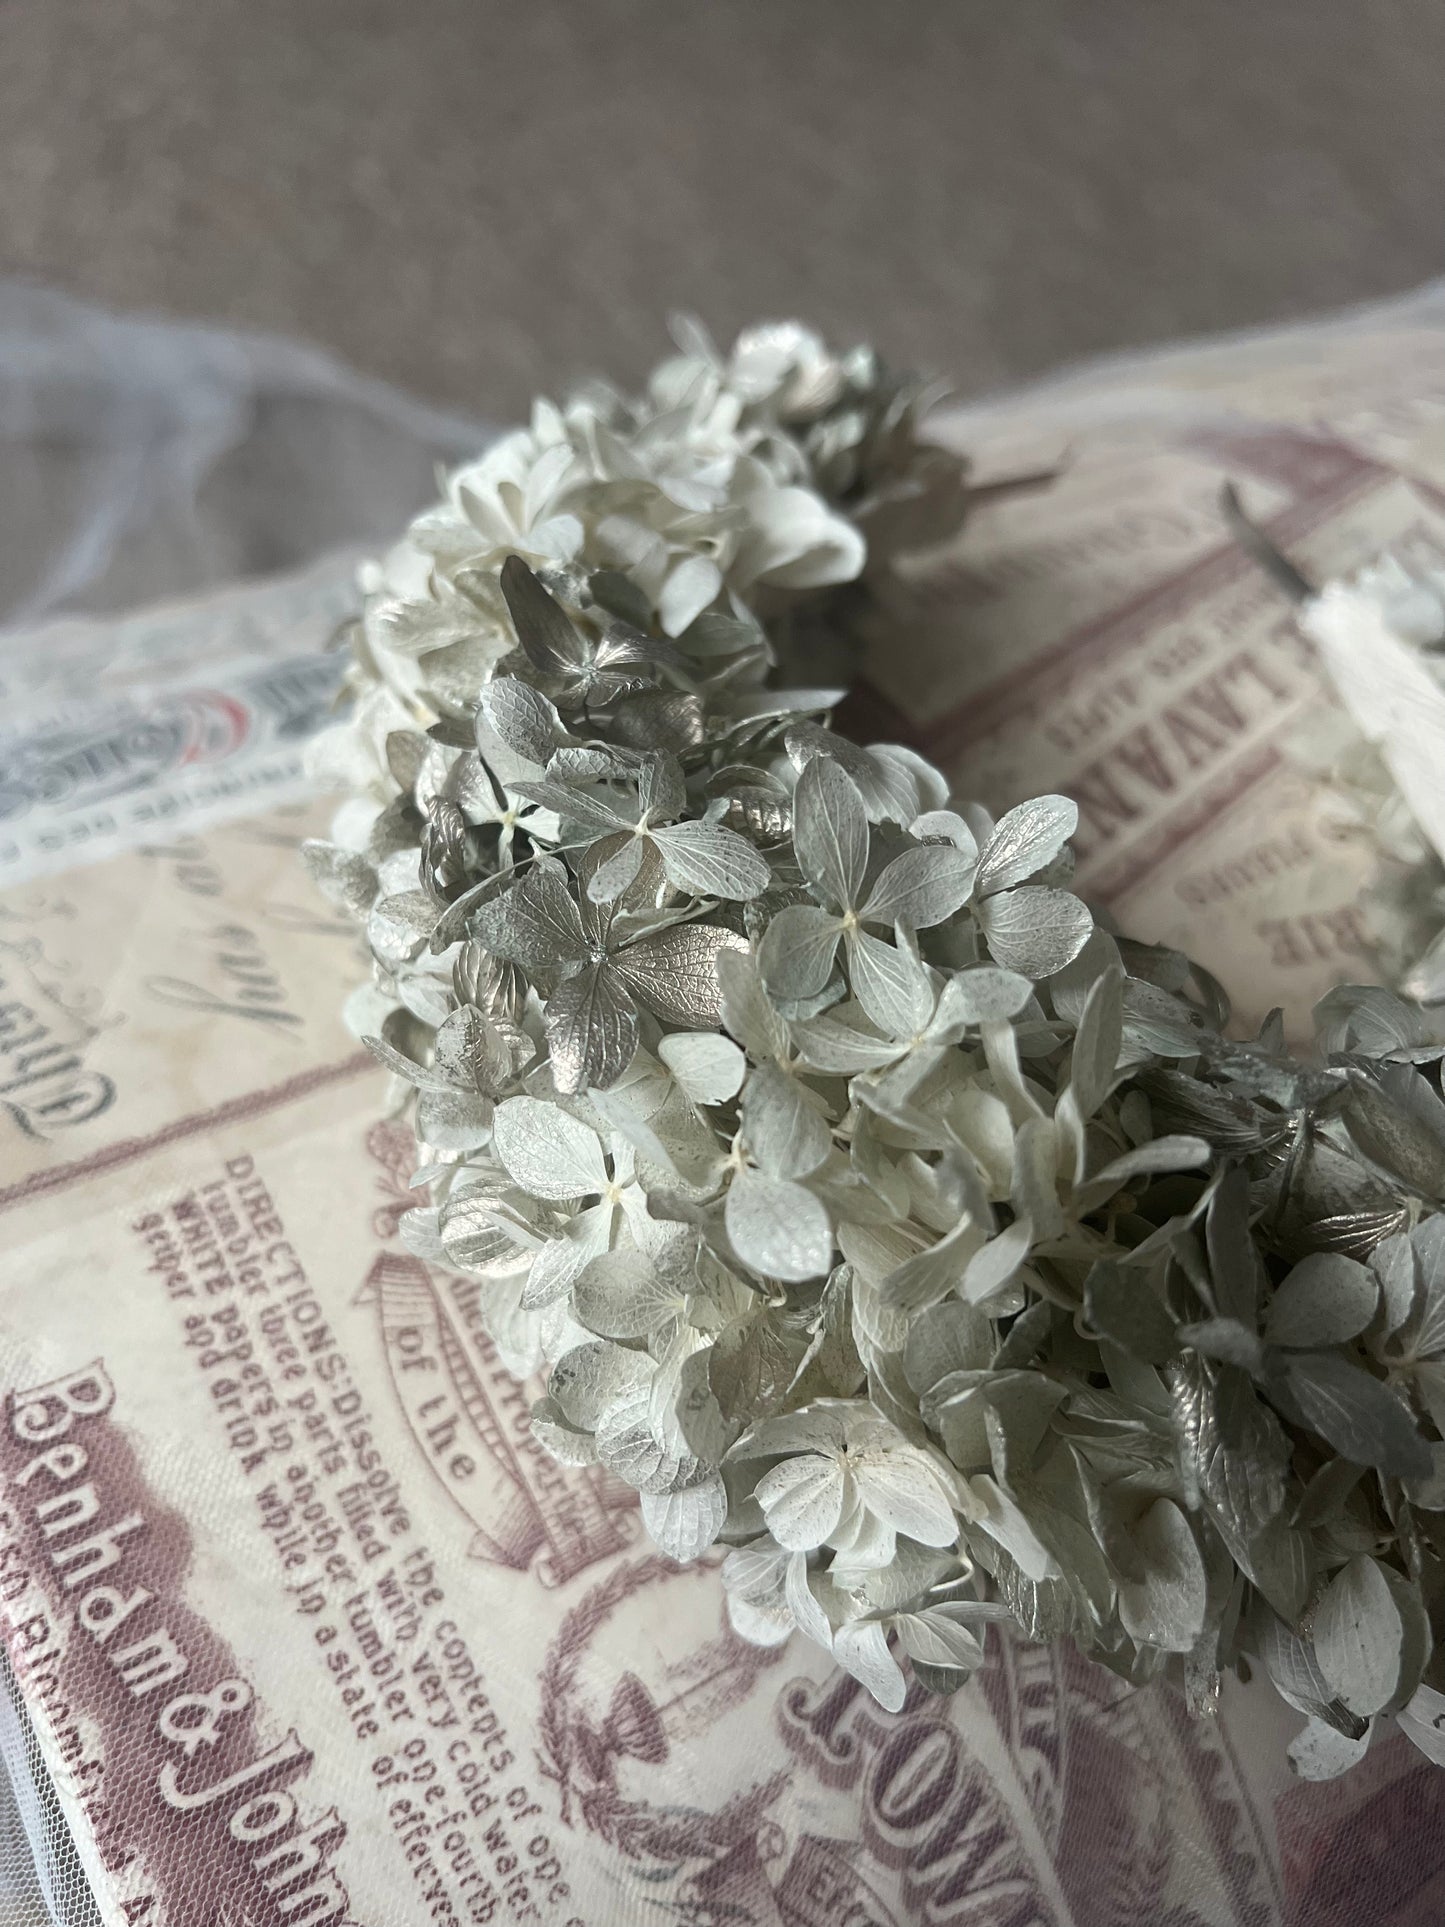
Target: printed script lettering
x,y
289,1405
45,1083
95,1594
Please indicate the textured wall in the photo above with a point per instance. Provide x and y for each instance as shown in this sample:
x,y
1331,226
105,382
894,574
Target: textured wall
x,y
474,197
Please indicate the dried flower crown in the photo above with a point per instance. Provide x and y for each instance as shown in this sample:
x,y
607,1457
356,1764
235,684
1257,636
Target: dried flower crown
x,y
869,1210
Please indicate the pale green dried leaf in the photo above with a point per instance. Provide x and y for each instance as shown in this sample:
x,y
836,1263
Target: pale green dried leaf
x,y
861,1648
1122,1307
1097,1043
1033,929
785,1133
1165,1607
890,987
830,832
1026,840
1358,1636
711,861
1325,1300
674,973
709,1068
547,1152
778,1228
1357,1414
797,951
921,887
344,878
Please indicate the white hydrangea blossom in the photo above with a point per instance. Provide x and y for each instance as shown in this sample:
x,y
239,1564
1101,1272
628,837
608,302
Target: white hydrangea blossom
x,y
865,1208
731,480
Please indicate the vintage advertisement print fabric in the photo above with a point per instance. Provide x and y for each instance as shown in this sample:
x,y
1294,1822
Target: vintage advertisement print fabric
x,y
308,1631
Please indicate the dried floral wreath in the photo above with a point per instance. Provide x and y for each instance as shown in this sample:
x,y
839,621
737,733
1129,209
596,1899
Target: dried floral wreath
x,y
869,1209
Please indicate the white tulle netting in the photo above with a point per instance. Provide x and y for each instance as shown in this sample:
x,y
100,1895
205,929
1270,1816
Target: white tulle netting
x,y
145,461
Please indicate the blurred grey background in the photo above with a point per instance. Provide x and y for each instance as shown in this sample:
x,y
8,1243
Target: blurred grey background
x,y
478,198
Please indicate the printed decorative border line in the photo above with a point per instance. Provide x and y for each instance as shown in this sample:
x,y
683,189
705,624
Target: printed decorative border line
x,y
1133,864
1106,636
129,1150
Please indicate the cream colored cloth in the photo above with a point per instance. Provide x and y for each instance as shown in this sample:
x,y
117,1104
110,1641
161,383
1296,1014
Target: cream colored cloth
x,y
308,1629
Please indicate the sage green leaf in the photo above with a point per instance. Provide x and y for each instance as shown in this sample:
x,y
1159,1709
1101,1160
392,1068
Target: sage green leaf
x,y
619,1295
921,887
1034,930
1290,1661
343,878
1322,1752
903,1488
1280,1563
1165,1606
888,789
995,1265
889,986
1358,1414
1393,1263
1235,1273
561,1260
797,952
1427,1242
684,1523
746,1009
861,1648
802,1500
1422,1720
1395,1138
1416,1634
945,1338
1034,1181
708,1067
808,1615
1325,1300
627,1444
1027,840
1121,1306
984,994
1159,1155
778,1228
711,861
926,1276
938,1638
1226,1340
786,1134
587,1380
1358,1637
547,1152
830,832
843,1047
1097,1043
751,1365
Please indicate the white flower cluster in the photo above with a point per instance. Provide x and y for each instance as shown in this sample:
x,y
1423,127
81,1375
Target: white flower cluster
x,y
868,1210
734,482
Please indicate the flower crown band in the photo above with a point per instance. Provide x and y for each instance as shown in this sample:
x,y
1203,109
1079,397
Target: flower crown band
x,y
866,1207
